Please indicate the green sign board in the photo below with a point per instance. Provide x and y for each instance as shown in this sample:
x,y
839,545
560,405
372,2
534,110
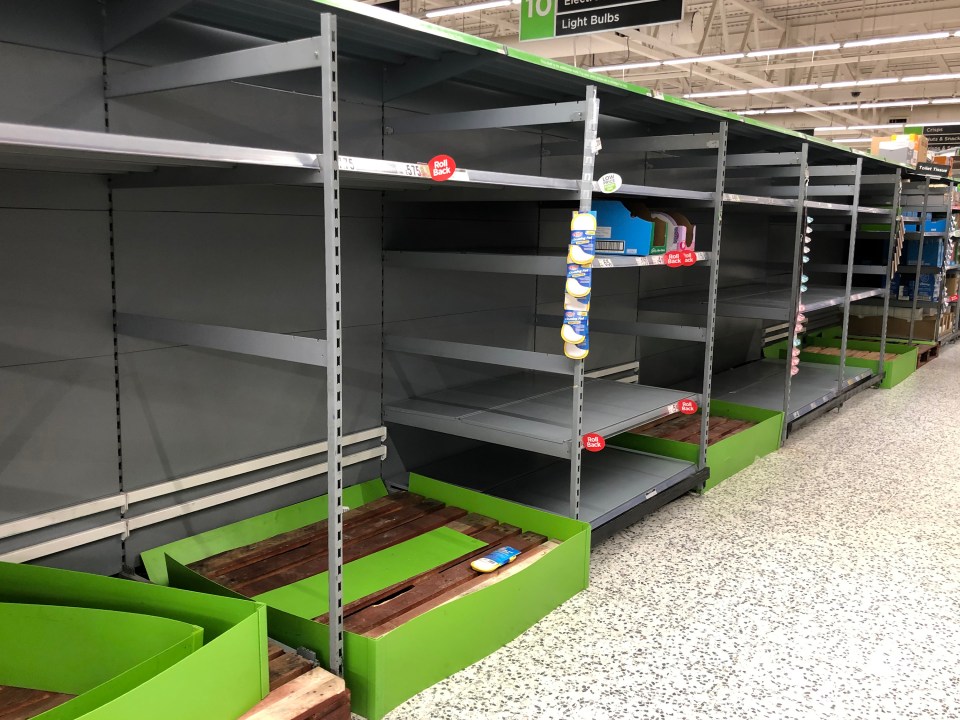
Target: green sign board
x,y
542,19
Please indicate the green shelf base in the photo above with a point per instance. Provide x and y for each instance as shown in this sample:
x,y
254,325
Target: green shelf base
x,y
725,457
383,672
128,649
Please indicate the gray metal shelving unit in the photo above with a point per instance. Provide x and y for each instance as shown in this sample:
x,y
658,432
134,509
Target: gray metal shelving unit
x,y
361,99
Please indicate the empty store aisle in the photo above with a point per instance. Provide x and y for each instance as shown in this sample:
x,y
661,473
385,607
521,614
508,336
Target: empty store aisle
x,y
822,582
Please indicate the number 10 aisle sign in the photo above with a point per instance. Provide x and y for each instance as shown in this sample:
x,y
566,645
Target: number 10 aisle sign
x,y
541,19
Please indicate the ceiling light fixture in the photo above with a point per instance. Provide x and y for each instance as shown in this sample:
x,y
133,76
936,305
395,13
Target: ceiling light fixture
x,y
850,141
863,42
859,83
945,101
469,7
626,66
782,88
793,50
704,59
894,103
872,42
716,94
931,78
847,128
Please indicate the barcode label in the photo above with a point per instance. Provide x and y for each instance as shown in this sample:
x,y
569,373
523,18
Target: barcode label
x,y
609,245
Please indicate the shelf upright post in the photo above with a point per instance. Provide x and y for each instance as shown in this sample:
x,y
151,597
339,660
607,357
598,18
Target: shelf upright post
x,y
844,335
331,256
712,295
942,295
591,122
891,257
916,278
800,231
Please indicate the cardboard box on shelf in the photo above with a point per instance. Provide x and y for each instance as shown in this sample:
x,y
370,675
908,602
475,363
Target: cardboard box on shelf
x,y
909,149
952,286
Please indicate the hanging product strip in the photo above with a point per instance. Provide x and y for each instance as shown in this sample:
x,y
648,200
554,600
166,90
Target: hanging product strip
x,y
576,304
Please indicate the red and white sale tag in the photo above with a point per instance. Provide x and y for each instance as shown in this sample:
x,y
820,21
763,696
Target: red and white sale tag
x,y
954,298
594,442
441,167
673,259
688,407
688,258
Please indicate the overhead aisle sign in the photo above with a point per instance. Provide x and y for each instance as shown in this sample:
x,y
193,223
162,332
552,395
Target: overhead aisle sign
x,y
542,19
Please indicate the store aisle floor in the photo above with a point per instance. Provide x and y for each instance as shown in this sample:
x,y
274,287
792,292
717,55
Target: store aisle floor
x,y
821,583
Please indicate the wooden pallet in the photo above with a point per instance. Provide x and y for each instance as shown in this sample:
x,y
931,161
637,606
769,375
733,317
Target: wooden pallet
x,y
926,353
861,354
686,428
383,523
21,704
300,691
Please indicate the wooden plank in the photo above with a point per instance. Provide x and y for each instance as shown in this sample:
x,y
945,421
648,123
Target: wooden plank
x,y
311,695
335,708
274,650
354,531
229,560
286,667
23,704
458,592
353,551
472,523
493,537
428,588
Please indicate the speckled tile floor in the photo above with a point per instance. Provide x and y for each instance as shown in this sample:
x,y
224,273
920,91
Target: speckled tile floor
x,y
823,582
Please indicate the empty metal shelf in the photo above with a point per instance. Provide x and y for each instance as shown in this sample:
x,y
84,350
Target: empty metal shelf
x,y
768,302
614,481
534,412
760,384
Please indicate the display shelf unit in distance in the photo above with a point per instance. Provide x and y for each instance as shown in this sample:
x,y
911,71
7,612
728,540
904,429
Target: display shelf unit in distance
x,y
811,206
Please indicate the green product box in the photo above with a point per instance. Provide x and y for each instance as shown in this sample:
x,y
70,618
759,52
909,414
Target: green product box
x,y
129,650
725,457
383,672
894,371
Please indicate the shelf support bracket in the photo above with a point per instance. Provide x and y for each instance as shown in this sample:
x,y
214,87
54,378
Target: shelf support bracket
x,y
276,346
549,114
844,336
254,62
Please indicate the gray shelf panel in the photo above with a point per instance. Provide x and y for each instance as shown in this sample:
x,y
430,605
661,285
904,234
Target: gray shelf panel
x,y
740,199
533,412
768,302
23,146
613,480
760,384
510,263
912,269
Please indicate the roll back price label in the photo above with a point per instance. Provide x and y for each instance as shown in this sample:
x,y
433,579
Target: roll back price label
x,y
688,407
441,168
680,258
594,442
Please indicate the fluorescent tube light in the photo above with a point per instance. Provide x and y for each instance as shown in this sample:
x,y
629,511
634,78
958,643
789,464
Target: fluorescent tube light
x,y
469,7
849,141
780,111
751,112
944,101
782,88
931,78
871,42
626,66
704,58
718,93
845,128
793,50
894,103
